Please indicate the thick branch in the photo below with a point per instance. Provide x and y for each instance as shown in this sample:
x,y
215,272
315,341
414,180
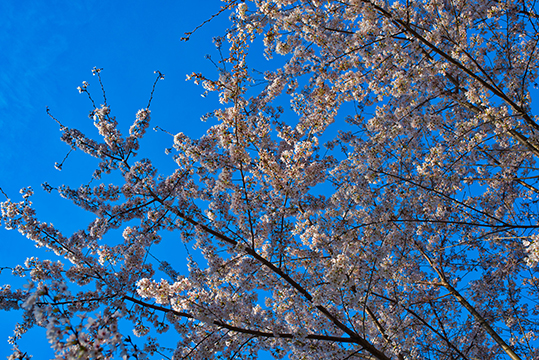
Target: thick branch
x,y
492,87
258,333
480,319
354,337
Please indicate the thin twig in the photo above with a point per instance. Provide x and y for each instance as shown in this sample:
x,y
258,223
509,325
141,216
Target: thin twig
x,y
160,76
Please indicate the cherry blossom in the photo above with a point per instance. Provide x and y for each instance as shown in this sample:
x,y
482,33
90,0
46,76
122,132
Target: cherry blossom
x,y
375,198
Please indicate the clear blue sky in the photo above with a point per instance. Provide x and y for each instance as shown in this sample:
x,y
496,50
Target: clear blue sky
x,y
48,48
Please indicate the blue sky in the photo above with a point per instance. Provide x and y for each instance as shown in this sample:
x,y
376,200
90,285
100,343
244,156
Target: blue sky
x,y
48,49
